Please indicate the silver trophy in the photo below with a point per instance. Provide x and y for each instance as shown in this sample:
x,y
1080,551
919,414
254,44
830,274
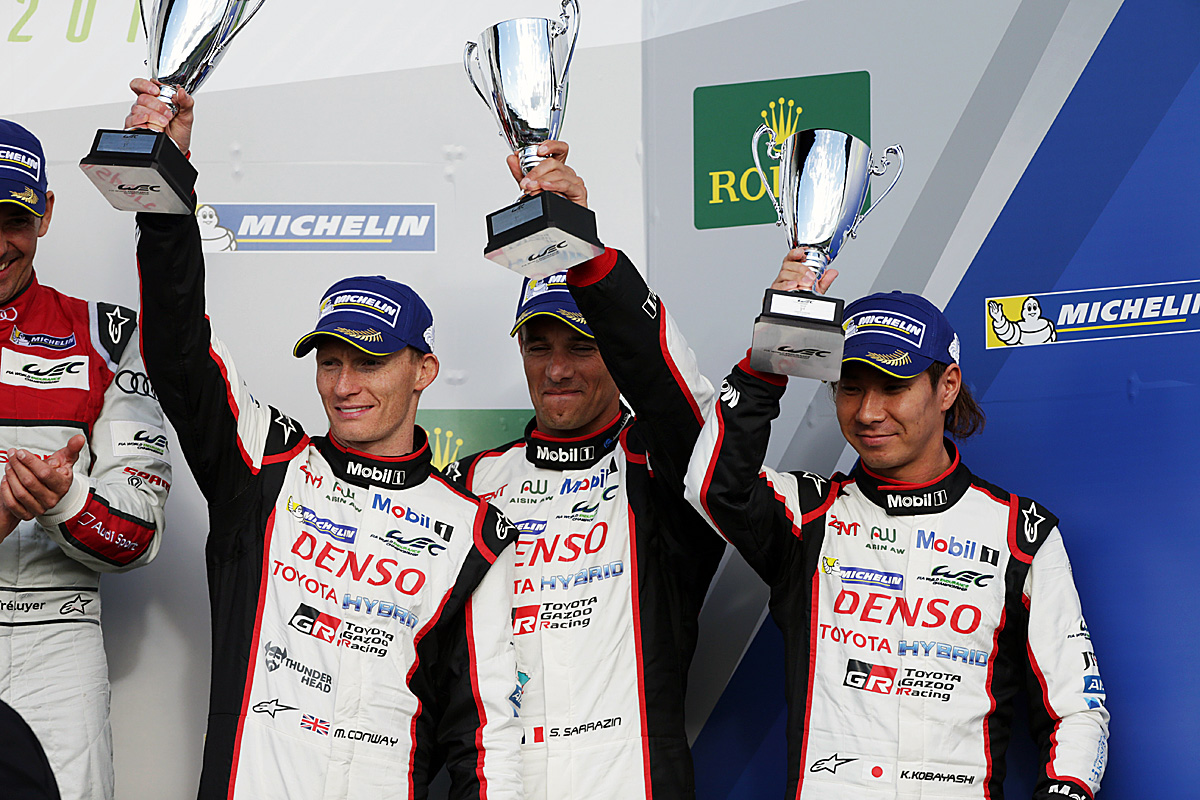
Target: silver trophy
x,y
142,170
519,69
823,180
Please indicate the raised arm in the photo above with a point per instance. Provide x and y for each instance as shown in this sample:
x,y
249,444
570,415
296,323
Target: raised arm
x,y
759,511
641,346
226,435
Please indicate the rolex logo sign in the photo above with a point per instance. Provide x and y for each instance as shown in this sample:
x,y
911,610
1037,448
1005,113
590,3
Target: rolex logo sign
x,y
727,190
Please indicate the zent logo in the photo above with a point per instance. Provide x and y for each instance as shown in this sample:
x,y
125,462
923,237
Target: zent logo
x,y
844,528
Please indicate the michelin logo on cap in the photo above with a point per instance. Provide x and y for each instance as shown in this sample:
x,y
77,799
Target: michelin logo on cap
x,y
542,285
21,160
363,303
910,331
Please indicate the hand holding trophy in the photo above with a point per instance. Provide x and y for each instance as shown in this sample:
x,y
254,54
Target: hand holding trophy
x,y
823,180
142,170
519,69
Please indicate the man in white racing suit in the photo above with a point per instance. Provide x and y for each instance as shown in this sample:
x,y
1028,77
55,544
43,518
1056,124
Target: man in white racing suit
x,y
612,565
86,478
915,599
360,603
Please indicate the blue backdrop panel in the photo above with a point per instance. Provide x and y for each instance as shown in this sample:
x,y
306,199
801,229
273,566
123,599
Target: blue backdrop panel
x,y
1100,431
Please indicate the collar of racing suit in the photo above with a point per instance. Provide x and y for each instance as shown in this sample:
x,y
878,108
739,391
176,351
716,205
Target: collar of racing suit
x,y
392,472
22,300
550,452
901,499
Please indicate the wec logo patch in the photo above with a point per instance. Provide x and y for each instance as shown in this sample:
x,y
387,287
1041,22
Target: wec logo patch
x,y
25,369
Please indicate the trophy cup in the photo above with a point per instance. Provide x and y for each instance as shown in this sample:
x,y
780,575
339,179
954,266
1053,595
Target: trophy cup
x,y
519,69
823,181
143,170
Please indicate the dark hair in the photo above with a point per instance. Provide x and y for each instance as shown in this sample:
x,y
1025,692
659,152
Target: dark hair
x,y
965,418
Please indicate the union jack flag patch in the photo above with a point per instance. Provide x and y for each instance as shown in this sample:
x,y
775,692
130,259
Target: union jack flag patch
x,y
311,723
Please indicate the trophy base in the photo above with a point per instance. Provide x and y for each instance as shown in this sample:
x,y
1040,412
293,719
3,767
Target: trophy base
x,y
141,170
800,334
541,235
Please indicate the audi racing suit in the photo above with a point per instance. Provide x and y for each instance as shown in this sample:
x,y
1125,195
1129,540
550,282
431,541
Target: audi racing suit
x,y
70,366
360,604
911,616
612,567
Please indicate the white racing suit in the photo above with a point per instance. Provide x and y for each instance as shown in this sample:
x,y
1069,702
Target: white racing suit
x,y
911,615
67,367
360,607
612,565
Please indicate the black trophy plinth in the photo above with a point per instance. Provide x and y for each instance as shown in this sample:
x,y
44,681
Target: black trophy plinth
x,y
800,334
141,170
540,235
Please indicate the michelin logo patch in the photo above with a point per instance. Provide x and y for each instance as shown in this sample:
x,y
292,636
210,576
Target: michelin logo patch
x,y
44,340
20,160
1114,312
318,227
908,332
369,303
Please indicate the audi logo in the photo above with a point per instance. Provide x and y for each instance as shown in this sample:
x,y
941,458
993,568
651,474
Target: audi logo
x,y
131,382
8,315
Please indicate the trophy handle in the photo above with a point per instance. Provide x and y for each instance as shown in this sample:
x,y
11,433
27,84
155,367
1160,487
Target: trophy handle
x,y
470,56
758,165
879,169
237,24
569,19
472,66
235,20
142,14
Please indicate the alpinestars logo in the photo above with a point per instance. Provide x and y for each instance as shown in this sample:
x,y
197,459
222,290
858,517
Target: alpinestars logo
x,y
830,764
271,707
729,395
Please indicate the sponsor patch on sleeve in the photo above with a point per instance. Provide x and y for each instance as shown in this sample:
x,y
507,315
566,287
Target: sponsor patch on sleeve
x,y
139,439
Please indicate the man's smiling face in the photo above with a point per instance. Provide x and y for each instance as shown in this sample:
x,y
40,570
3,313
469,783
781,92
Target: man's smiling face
x,y
20,230
571,390
371,401
895,424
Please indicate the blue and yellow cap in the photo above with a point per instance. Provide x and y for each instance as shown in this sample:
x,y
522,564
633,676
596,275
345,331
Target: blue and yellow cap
x,y
898,333
549,297
22,168
376,315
